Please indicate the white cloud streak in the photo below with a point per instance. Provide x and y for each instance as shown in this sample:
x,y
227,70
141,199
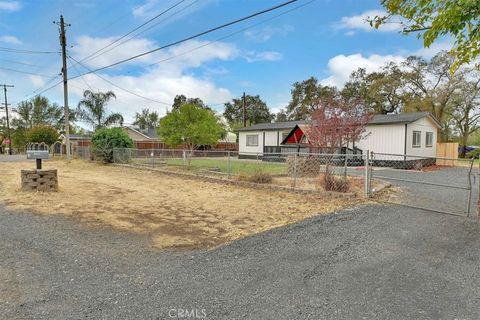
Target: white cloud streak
x,y
10,6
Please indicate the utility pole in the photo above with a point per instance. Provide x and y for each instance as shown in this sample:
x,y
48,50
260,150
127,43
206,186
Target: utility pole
x,y
244,106
5,86
63,43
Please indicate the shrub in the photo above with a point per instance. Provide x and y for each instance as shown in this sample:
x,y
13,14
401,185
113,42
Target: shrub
x,y
475,154
40,134
331,183
106,139
257,177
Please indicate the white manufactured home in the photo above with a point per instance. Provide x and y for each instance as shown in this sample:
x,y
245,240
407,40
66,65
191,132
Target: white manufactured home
x,y
412,133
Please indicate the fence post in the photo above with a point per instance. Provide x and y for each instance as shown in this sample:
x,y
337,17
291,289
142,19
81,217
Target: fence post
x,y
152,154
469,201
367,160
184,157
345,165
295,170
228,165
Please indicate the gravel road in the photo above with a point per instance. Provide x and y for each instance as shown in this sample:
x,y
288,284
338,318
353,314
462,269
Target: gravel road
x,y
449,197
372,262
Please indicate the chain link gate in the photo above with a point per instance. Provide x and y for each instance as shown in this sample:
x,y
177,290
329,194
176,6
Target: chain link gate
x,y
445,185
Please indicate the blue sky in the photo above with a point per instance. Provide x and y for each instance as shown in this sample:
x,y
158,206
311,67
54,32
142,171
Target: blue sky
x,y
325,38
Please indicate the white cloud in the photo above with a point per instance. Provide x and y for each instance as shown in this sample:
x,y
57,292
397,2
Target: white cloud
x,y
189,54
359,22
10,5
162,81
10,40
37,81
252,56
265,34
341,66
433,49
152,8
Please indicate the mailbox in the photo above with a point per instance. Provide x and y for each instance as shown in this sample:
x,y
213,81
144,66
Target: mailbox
x,y
39,152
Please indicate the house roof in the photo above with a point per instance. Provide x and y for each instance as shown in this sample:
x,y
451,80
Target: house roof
x,y
377,120
76,137
149,134
273,126
408,117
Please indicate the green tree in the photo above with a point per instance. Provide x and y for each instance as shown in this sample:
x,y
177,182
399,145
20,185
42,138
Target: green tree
x,y
39,111
42,133
381,91
191,126
465,114
105,140
181,100
256,110
281,116
305,97
92,109
434,19
147,119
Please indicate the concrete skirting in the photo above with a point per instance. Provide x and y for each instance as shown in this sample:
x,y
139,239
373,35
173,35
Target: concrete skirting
x,y
39,180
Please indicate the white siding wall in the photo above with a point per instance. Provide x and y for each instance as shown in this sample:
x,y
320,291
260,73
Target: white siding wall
x,y
423,125
389,138
242,142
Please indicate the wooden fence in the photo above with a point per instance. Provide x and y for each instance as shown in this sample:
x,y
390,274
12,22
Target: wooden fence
x,y
447,150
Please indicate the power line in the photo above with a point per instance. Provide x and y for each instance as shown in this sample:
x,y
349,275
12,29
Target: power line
x,y
191,37
231,34
26,64
12,50
25,72
145,30
117,86
130,32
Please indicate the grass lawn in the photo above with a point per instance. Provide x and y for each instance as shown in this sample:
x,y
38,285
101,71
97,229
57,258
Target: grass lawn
x,y
247,167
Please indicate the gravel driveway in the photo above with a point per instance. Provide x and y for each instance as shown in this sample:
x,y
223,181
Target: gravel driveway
x,y
447,198
372,262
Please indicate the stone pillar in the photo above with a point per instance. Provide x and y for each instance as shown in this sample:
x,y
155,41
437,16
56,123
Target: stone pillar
x,y
39,180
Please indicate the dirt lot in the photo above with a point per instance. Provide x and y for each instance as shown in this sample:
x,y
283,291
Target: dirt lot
x,y
176,212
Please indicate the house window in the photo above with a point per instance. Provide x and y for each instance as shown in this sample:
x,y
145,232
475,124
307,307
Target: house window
x,y
417,138
252,140
429,139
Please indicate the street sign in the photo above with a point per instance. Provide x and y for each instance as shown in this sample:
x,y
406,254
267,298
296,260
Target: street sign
x,y
6,141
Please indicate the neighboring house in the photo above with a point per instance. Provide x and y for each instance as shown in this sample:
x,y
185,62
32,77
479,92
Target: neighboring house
x,y
407,133
79,144
144,139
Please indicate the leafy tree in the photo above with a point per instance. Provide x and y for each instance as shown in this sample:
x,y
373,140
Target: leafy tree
x,y
106,139
19,138
335,122
433,19
191,126
465,113
256,110
39,111
431,87
181,100
92,110
146,119
281,116
382,91
42,133
305,97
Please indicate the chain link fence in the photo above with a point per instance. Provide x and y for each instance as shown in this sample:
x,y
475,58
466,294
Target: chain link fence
x,y
305,171
446,185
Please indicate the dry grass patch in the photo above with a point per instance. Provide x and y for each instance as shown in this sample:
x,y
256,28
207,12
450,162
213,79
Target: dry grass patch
x,y
175,212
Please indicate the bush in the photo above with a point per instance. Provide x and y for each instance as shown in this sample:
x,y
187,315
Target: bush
x,y
257,177
474,154
106,139
41,134
331,183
